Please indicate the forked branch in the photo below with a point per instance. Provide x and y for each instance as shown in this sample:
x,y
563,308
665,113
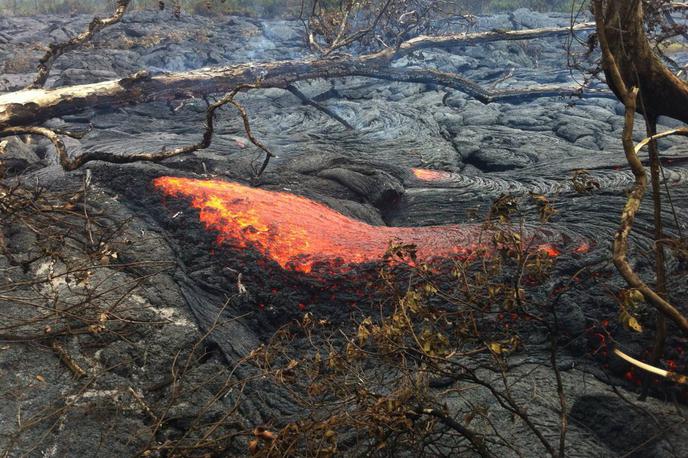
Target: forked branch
x,y
72,163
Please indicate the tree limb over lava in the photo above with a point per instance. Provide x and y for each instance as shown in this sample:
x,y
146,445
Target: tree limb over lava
x,y
72,163
450,41
32,106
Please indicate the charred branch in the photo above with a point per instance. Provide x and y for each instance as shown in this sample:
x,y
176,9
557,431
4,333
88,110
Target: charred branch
x,y
56,50
73,163
473,89
308,101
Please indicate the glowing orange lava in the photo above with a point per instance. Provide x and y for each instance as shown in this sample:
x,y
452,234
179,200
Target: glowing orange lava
x,y
431,175
583,248
297,232
549,249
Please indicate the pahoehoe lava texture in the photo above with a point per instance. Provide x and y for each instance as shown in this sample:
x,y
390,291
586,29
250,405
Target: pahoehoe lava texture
x,y
366,174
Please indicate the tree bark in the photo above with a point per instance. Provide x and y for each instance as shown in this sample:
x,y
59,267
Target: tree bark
x,y
662,92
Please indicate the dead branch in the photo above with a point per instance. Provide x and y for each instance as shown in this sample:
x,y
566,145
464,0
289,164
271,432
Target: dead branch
x,y
69,163
673,376
308,101
68,361
30,107
451,41
340,41
247,128
56,50
467,86
682,132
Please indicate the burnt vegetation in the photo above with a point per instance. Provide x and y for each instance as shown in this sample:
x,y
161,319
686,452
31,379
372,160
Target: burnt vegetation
x,y
167,319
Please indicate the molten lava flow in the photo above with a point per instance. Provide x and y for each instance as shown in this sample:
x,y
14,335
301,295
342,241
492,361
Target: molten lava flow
x,y
431,175
298,233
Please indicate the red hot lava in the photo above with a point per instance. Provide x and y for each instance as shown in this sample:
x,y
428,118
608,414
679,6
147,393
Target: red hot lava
x,y
298,233
432,175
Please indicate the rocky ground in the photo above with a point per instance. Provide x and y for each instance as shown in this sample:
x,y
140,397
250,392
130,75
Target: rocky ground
x,y
151,374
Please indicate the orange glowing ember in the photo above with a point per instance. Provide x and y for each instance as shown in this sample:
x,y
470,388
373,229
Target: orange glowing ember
x,y
549,250
297,232
583,248
431,175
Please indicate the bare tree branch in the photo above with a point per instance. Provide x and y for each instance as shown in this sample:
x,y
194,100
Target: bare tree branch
x,y
56,50
308,101
678,378
30,107
68,163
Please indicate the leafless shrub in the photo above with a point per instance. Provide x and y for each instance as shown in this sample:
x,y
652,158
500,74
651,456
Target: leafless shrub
x,y
373,24
389,384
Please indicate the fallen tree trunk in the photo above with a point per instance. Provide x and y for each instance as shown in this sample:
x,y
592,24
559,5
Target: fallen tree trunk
x,y
33,106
